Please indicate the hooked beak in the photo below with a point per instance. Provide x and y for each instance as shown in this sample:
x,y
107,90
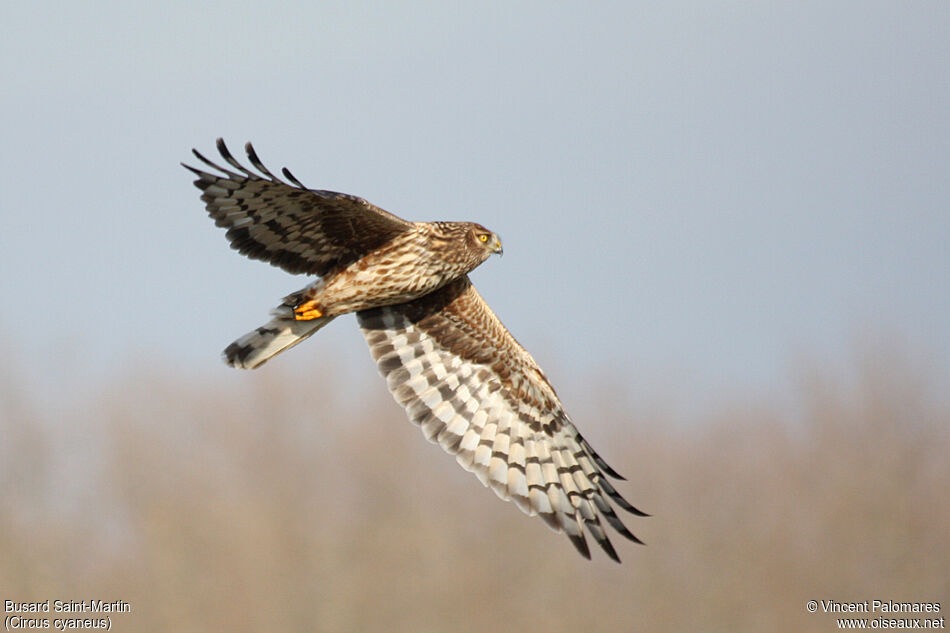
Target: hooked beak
x,y
496,247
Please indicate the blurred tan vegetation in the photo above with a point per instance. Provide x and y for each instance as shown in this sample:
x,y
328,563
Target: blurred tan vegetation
x,y
274,501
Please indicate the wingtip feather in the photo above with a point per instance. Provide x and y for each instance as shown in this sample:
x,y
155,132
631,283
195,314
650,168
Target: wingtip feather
x,y
289,176
580,543
258,163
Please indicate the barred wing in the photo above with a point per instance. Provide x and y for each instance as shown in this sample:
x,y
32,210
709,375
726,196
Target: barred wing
x,y
475,391
298,229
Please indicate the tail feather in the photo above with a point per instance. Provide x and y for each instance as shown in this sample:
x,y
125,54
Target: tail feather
x,y
280,333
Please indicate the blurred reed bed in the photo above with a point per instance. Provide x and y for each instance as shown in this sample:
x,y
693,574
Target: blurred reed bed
x,y
281,501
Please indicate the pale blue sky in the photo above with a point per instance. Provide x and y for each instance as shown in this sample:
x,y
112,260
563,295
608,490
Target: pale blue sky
x,y
686,190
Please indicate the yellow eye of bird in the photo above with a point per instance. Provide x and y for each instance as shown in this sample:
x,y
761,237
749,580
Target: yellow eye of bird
x,y
483,237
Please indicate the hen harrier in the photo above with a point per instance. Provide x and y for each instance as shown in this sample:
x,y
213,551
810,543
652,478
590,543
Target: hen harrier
x,y
461,376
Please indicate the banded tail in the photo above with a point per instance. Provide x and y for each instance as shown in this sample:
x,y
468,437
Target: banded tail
x,y
280,333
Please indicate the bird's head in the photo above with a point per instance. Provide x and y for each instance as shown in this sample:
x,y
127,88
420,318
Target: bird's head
x,y
484,239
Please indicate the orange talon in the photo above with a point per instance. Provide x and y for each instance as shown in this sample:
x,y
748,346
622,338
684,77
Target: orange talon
x,y
307,311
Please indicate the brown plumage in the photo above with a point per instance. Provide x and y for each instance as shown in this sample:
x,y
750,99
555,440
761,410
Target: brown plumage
x,y
446,357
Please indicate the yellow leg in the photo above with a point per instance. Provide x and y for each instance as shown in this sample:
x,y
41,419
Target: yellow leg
x,y
307,311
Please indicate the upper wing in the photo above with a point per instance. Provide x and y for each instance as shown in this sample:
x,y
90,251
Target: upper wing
x,y
298,229
473,389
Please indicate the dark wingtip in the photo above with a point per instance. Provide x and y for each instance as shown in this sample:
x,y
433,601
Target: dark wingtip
x,y
201,157
289,176
607,468
600,461
618,498
204,180
609,548
258,163
252,154
226,153
580,543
